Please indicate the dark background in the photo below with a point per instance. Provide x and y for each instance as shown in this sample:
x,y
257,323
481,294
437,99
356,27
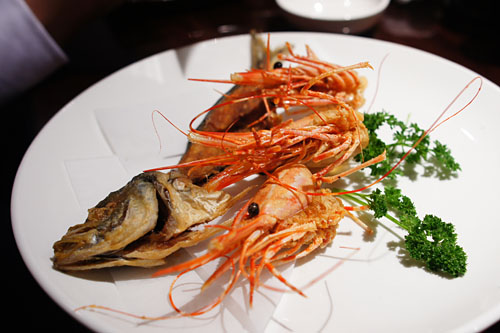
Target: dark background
x,y
466,32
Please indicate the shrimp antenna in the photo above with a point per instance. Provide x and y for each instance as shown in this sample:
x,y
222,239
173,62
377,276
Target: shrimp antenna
x,y
377,84
169,121
268,52
438,122
156,129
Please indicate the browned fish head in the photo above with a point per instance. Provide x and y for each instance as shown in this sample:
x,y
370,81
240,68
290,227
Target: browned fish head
x,y
153,205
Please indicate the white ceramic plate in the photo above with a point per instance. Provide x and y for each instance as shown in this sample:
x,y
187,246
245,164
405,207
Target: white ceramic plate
x,y
105,135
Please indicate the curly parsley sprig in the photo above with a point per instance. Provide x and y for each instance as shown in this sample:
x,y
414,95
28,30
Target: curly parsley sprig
x,y
430,239
404,137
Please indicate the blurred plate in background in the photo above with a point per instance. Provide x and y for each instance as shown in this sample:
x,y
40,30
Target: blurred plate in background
x,y
346,16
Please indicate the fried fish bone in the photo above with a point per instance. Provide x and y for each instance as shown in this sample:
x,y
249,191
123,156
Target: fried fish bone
x,y
142,223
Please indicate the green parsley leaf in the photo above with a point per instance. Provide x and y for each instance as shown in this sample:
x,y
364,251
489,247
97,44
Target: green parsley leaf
x,y
403,138
429,240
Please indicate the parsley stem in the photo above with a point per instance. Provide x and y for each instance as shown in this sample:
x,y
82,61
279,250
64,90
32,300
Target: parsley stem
x,y
361,199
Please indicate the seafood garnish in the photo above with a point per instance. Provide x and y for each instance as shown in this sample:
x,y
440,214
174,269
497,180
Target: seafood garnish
x,y
330,136
288,218
324,140
233,117
140,224
258,52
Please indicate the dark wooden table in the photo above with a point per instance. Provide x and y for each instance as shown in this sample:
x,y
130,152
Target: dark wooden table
x,y
465,32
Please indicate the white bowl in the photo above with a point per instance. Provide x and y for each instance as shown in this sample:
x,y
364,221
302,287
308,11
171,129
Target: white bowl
x,y
346,16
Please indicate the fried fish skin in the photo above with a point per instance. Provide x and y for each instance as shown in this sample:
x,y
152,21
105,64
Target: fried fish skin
x,y
154,205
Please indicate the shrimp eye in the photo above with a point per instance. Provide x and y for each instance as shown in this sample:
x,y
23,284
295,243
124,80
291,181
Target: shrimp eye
x,y
278,64
253,210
